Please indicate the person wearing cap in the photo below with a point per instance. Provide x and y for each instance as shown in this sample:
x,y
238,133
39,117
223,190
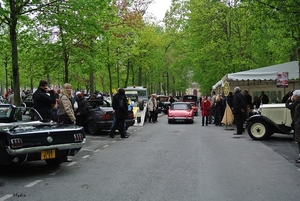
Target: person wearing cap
x,y
82,109
239,107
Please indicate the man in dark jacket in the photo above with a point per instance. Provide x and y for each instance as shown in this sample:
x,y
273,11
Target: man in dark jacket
x,y
239,107
43,98
120,106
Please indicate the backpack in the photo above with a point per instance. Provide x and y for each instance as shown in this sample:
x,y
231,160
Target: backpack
x,y
121,102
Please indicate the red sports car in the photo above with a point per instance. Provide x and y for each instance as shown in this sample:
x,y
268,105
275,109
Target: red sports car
x,y
181,112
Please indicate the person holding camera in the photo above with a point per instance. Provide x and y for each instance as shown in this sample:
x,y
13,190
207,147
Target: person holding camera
x,y
43,99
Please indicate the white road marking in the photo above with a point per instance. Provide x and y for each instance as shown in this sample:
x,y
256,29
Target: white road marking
x,y
97,150
32,183
86,156
54,173
72,163
87,150
6,197
105,146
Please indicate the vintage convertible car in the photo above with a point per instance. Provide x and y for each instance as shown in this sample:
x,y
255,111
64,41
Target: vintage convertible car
x,y
269,119
181,112
101,117
22,141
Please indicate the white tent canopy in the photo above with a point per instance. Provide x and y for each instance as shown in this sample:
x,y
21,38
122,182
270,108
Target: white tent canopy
x,y
264,73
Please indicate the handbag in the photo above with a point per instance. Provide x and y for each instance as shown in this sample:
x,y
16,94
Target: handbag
x,y
75,106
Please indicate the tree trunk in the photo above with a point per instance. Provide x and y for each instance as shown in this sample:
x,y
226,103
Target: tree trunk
x,y
140,73
14,55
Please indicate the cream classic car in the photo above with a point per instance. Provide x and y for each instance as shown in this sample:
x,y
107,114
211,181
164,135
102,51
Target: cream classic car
x,y
269,119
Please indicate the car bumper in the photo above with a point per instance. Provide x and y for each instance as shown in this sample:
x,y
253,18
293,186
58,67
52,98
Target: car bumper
x,y
180,118
29,150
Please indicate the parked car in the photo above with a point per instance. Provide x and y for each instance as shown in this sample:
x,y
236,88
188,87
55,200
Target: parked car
x,y
191,99
22,141
181,112
163,103
269,119
27,100
100,117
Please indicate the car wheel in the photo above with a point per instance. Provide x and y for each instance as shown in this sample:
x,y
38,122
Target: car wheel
x,y
92,127
258,130
169,121
55,161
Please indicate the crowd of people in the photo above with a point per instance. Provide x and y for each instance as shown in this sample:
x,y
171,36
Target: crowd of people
x,y
64,106
240,103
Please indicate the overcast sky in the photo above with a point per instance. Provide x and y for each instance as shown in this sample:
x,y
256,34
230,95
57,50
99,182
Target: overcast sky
x,y
159,7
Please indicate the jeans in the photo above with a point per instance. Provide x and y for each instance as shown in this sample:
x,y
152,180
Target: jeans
x,y
113,124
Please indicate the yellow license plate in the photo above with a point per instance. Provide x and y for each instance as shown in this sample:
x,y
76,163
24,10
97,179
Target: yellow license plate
x,y
48,154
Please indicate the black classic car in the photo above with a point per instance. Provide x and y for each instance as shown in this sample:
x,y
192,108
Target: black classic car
x,y
22,141
163,103
100,116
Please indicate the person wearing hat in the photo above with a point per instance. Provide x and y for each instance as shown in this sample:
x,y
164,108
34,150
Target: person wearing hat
x,y
82,109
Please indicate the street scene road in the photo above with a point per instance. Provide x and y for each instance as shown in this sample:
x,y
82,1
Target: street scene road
x,y
161,161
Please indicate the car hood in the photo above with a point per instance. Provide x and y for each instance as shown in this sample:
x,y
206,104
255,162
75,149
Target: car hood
x,y
35,127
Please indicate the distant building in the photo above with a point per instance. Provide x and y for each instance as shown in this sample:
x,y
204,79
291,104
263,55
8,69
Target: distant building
x,y
194,89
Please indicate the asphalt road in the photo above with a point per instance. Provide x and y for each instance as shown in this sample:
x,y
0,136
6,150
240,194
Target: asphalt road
x,y
161,162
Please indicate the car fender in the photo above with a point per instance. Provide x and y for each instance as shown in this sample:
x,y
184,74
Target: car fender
x,y
275,128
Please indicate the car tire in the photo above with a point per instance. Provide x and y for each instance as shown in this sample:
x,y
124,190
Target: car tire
x,y
55,161
169,121
92,127
258,130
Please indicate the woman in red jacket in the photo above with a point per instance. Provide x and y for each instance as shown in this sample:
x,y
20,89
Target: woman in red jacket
x,y
205,107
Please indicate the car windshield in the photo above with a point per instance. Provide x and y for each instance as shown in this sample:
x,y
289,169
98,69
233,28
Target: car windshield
x,y
180,107
190,98
5,111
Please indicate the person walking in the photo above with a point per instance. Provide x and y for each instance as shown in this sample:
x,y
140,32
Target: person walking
x,y
43,99
296,119
120,107
152,105
205,107
239,110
